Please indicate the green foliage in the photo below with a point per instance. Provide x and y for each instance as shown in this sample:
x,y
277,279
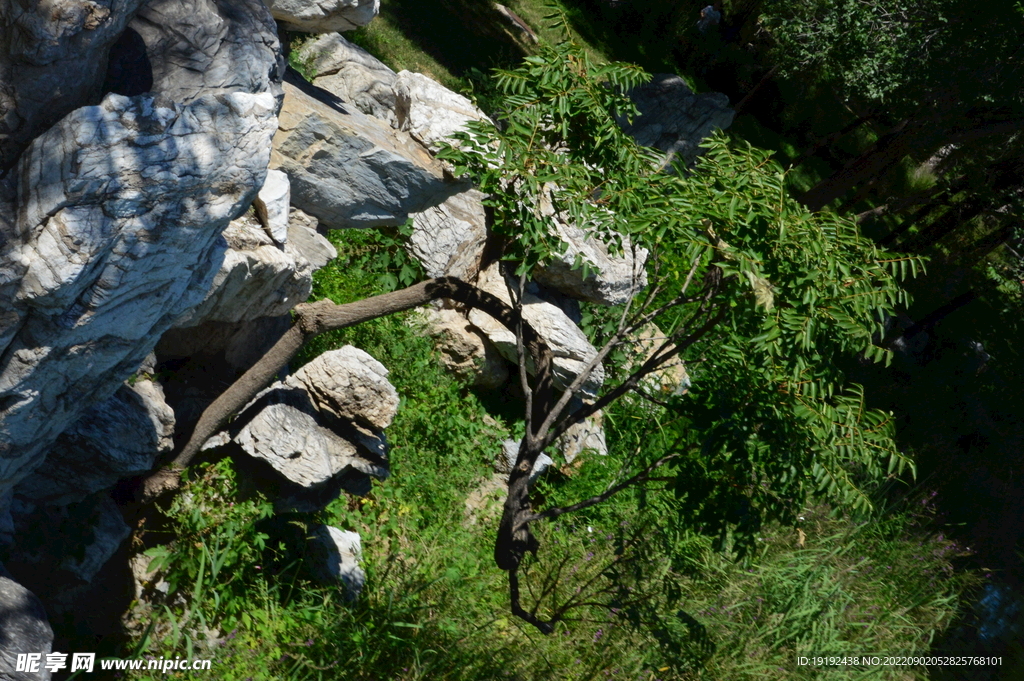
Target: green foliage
x,y
863,47
771,421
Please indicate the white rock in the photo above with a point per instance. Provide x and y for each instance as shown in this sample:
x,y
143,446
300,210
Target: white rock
x,y
272,205
335,555
118,438
258,277
282,429
429,111
506,461
323,16
350,384
449,238
120,211
571,349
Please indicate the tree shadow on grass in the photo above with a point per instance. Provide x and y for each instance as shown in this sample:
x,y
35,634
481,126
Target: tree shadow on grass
x,y
459,34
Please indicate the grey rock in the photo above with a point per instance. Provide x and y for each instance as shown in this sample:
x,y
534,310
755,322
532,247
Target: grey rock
x,y
197,48
506,461
24,628
350,384
464,350
674,119
334,557
617,277
273,204
586,437
258,277
324,16
448,239
282,429
671,380
108,531
51,63
120,210
429,111
572,351
348,169
118,438
353,74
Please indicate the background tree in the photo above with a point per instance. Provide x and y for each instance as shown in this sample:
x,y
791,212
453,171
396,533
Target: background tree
x,y
759,296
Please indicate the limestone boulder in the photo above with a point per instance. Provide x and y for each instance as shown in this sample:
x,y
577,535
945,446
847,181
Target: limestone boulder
x,y
671,380
570,347
429,111
185,49
119,438
506,461
448,239
674,119
352,74
348,169
350,384
464,350
25,629
318,432
334,556
120,209
324,16
282,428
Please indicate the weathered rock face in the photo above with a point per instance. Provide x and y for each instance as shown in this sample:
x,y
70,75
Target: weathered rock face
x,y
201,47
118,438
352,170
572,351
674,119
120,210
334,557
49,64
429,111
65,546
448,239
465,351
324,17
258,277
23,629
672,379
586,437
352,74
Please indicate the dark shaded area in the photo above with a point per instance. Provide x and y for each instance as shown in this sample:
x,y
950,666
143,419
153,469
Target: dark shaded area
x,y
129,71
460,34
